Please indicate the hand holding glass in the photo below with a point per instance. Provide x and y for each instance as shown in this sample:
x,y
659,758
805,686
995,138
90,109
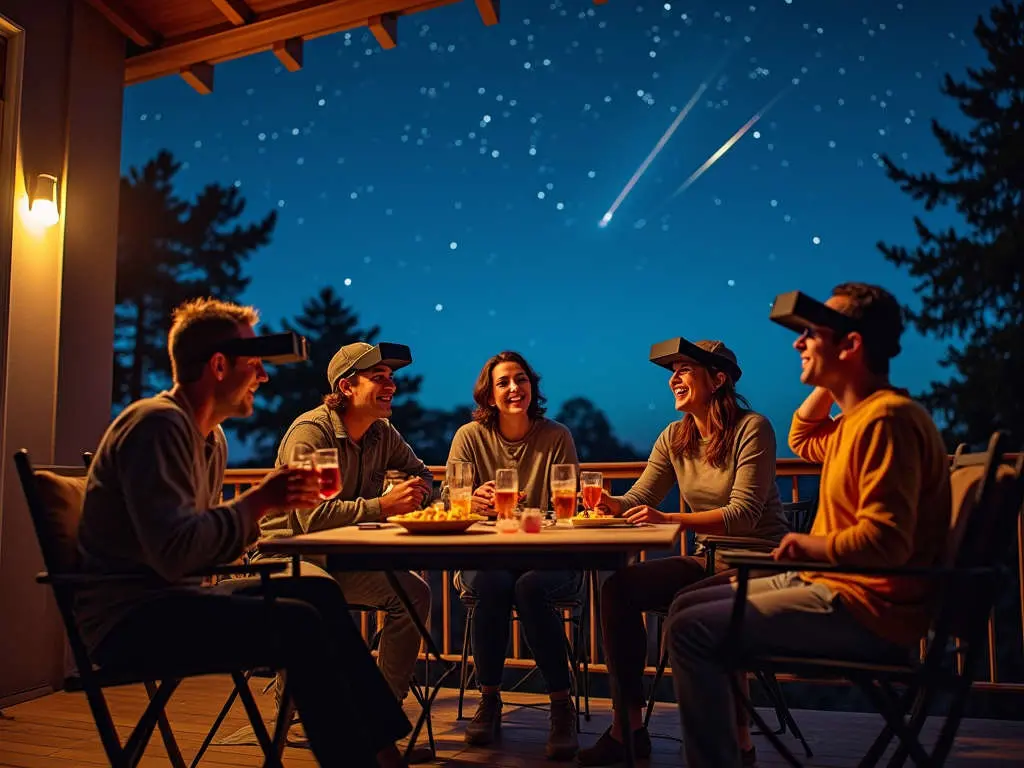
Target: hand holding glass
x,y
328,469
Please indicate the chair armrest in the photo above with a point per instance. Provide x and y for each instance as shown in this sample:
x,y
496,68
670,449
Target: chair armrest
x,y
745,562
740,542
262,569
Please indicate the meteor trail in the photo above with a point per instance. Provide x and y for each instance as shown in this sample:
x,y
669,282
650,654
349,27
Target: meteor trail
x,y
728,144
653,154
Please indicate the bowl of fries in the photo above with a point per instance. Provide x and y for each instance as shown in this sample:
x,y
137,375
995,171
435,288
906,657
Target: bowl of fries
x,y
436,519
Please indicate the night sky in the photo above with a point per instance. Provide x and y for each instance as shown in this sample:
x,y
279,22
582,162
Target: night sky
x,y
452,189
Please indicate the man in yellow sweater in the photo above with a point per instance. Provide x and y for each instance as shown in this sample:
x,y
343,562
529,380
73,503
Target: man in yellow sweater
x,y
884,501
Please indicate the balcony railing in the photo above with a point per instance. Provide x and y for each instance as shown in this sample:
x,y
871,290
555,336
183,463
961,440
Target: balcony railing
x,y
789,472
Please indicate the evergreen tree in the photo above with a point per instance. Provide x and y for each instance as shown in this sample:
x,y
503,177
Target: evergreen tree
x,y
592,432
170,250
328,325
971,282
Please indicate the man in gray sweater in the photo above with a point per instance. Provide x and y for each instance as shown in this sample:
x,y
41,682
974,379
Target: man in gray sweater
x,y
152,508
354,420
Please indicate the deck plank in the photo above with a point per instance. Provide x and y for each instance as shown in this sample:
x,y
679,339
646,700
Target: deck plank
x,y
57,730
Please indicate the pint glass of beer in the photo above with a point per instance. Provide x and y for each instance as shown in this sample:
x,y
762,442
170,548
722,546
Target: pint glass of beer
x,y
563,492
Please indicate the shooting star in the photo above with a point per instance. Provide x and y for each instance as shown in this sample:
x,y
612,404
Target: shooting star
x,y
653,154
728,144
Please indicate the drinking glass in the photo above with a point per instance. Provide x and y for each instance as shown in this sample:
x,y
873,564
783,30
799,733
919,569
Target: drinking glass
x,y
302,457
592,485
328,470
459,478
563,492
506,492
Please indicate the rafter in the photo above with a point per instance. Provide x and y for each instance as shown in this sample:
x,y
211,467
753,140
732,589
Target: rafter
x,y
125,19
306,19
235,11
289,53
200,77
385,29
490,11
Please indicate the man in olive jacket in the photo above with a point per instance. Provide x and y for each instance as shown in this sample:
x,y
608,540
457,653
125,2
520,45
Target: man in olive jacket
x,y
354,419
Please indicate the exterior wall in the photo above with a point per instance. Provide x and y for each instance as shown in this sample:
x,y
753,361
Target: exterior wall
x,y
62,115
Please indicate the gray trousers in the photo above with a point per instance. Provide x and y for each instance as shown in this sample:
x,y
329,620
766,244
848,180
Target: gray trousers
x,y
784,614
400,640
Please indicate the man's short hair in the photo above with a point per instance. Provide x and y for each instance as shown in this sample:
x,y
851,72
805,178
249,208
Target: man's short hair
x,y
196,326
880,322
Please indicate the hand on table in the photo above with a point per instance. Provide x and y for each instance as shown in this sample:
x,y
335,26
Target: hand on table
x,y
645,514
483,499
404,497
802,546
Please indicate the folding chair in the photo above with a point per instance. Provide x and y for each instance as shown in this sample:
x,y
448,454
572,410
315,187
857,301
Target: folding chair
x,y
54,496
800,515
572,611
987,505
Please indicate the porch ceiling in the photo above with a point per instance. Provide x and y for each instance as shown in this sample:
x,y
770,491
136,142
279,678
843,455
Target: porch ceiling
x,y
188,37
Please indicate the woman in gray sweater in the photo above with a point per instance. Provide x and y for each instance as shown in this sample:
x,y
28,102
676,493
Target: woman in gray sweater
x,y
509,430
722,455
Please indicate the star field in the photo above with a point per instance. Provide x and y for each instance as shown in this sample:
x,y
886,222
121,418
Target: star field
x,y
452,188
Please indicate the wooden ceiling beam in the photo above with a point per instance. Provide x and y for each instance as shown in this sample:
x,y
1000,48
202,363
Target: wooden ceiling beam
x,y
200,77
126,21
235,11
490,11
306,19
289,53
385,29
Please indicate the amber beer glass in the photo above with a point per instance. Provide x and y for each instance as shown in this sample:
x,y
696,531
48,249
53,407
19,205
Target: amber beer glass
x,y
592,485
563,491
459,478
328,471
506,493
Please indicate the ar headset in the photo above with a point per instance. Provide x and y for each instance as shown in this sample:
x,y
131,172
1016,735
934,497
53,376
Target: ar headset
x,y
800,313
274,348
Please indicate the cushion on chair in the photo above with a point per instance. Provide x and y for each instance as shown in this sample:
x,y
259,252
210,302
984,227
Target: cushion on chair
x,y
62,499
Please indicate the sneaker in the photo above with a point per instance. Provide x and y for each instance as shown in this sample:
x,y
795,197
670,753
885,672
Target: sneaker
x,y
609,751
562,739
485,727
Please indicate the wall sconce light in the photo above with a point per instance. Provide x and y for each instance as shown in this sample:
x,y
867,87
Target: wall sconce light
x,y
43,202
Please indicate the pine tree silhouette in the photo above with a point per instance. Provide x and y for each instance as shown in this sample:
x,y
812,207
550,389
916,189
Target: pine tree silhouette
x,y
971,281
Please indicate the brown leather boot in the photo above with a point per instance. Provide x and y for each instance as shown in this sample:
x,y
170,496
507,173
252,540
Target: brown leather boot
x,y
485,727
562,739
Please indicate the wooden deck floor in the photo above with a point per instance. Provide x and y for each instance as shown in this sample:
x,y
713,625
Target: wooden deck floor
x,y
58,731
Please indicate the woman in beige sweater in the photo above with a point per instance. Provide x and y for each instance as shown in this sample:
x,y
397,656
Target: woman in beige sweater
x,y
509,430
722,455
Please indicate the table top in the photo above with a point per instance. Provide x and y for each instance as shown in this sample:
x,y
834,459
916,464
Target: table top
x,y
478,540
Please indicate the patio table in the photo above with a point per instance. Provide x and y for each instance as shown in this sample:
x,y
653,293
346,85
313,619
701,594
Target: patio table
x,y
391,548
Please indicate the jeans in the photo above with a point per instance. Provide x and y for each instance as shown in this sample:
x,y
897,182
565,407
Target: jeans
x,y
784,615
534,594
348,711
625,596
400,640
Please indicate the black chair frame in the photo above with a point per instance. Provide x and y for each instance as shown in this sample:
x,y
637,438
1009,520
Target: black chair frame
x,y
956,643
91,680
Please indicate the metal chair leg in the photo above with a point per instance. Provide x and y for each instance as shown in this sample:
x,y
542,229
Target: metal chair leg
x,y
464,667
166,734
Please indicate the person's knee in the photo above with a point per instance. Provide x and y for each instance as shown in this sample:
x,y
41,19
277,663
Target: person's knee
x,y
490,585
696,630
418,591
533,589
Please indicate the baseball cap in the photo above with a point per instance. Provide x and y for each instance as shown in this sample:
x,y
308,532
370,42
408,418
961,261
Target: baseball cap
x,y
361,356
712,354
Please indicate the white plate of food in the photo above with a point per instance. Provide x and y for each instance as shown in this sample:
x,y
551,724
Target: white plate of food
x,y
427,525
600,521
